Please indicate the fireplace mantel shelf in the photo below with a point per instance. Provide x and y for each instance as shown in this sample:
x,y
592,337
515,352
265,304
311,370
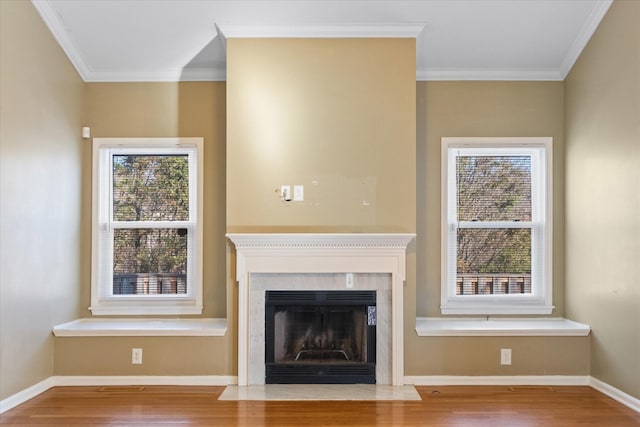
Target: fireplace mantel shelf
x,y
320,240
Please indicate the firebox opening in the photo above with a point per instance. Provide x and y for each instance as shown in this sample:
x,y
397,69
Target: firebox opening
x,y
320,337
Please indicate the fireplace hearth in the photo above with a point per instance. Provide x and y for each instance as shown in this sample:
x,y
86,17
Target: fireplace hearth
x,y
320,337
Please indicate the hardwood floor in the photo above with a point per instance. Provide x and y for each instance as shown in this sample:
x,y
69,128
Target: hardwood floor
x,y
440,406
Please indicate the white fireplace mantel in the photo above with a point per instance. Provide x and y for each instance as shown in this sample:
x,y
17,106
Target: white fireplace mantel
x,y
293,253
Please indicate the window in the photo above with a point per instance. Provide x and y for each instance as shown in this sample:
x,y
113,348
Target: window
x,y
496,230
147,226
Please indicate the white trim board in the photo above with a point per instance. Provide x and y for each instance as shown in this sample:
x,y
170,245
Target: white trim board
x,y
142,327
345,30
498,326
598,12
512,380
222,380
28,393
615,394
524,380
349,30
121,380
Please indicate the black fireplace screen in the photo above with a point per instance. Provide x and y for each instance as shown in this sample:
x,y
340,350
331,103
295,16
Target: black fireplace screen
x,y
320,337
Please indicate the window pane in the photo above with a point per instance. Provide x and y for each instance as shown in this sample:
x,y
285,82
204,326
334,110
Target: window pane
x,y
150,261
493,188
493,261
150,188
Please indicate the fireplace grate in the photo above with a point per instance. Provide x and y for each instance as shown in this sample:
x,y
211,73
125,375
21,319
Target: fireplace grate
x,y
330,374
321,297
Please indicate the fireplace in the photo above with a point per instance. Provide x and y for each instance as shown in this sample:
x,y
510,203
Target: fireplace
x,y
267,262
320,337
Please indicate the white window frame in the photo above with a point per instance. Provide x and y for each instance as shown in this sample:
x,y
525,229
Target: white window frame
x,y
103,302
541,297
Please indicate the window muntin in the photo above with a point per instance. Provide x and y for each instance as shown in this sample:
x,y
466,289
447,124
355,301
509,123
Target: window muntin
x,y
496,226
147,226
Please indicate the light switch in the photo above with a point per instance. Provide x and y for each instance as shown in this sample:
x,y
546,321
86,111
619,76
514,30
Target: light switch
x,y
285,193
298,193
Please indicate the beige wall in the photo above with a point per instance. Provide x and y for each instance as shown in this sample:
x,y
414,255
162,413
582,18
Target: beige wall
x,y
168,110
367,123
603,196
41,112
298,120
334,115
160,110
477,356
501,109
454,109
198,109
195,356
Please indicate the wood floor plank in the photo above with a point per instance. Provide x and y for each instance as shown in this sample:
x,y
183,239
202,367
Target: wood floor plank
x,y
166,406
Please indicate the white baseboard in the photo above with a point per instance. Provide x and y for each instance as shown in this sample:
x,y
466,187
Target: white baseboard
x,y
222,380
31,392
616,394
569,380
26,394
210,380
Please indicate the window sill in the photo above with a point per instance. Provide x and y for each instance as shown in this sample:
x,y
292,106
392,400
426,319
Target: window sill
x,y
494,309
493,327
145,310
138,327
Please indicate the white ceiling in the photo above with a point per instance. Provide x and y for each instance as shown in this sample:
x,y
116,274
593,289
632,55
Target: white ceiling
x,y
171,40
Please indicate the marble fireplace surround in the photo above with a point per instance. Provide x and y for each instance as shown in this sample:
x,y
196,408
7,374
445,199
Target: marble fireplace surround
x,y
305,261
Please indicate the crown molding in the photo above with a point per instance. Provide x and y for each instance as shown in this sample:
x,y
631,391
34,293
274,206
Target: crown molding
x,y
54,22
600,9
180,75
352,30
220,75
396,30
204,75
502,75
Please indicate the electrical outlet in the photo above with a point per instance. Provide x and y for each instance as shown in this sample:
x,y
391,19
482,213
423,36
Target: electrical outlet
x,y
505,356
349,280
136,356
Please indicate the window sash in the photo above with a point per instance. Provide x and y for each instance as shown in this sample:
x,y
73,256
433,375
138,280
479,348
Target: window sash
x,y
107,273
537,270
539,152
109,153
103,299
107,193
